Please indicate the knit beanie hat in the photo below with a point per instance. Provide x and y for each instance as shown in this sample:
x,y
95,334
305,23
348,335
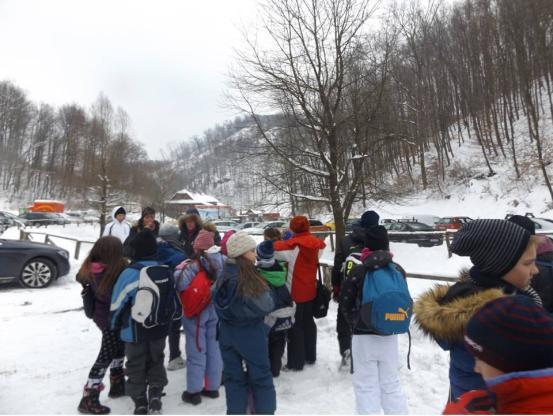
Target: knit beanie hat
x,y
376,238
524,222
239,244
144,245
494,246
193,211
299,224
369,219
120,210
204,240
169,232
148,211
511,333
224,241
265,254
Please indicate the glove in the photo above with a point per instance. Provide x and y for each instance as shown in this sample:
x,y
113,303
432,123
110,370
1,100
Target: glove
x,y
475,402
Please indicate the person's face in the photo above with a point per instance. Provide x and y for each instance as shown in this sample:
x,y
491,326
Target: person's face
x,y
149,222
485,370
250,256
120,217
190,225
521,275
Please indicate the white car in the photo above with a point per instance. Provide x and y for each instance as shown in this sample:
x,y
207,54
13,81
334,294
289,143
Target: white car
x,y
246,225
224,226
543,224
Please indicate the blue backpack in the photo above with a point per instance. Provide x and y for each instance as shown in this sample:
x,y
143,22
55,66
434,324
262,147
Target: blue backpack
x,y
386,305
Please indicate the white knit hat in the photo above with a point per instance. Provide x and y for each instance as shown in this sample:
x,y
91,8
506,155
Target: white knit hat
x,y
239,244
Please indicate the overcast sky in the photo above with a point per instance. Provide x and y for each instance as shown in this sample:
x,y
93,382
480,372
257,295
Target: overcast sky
x,y
163,61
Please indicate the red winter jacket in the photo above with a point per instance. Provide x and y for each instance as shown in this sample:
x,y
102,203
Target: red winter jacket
x,y
527,392
303,259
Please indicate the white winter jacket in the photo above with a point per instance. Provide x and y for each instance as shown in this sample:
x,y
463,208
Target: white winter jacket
x,y
117,229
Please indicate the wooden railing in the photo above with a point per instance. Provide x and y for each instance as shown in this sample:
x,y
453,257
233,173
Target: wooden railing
x,y
25,234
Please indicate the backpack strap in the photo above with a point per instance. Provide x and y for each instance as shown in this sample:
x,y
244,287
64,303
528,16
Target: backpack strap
x,y
136,266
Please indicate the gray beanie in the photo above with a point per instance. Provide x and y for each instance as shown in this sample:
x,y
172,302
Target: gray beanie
x,y
494,246
169,232
239,244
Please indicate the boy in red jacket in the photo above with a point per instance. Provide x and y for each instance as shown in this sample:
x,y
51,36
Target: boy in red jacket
x,y
511,339
302,254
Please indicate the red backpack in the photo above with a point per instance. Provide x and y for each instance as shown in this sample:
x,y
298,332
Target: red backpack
x,y
197,295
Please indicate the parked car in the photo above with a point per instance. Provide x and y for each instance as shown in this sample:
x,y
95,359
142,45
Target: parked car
x,y
38,219
6,220
415,232
541,224
350,222
260,228
314,226
451,223
224,226
246,225
35,265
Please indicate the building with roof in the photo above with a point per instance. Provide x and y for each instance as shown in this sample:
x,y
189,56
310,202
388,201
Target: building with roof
x,y
207,205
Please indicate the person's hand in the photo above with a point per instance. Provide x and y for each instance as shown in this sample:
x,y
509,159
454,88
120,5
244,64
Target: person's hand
x,y
184,264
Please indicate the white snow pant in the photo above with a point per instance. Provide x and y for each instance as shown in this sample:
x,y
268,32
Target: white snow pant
x,y
376,375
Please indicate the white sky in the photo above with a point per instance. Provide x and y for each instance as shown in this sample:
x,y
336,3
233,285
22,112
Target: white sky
x,y
163,61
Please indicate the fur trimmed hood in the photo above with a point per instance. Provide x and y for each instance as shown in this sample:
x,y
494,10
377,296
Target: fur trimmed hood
x,y
447,321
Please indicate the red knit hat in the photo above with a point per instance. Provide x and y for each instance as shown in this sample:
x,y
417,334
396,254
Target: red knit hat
x,y
204,240
299,224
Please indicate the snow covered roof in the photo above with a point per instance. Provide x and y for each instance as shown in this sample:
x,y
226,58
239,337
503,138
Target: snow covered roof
x,y
184,196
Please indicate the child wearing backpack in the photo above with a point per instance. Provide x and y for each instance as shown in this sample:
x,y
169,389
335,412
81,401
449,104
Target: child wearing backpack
x,y
376,303
98,274
282,318
242,300
203,357
143,304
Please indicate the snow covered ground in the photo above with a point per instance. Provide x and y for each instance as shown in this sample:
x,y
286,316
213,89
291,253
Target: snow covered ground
x,y
48,346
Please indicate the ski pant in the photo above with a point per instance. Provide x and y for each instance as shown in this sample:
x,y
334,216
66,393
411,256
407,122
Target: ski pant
x,y
343,330
145,366
111,355
376,376
277,343
302,337
174,340
204,365
246,368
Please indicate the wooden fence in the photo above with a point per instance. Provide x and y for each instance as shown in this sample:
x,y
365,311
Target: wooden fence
x,y
25,234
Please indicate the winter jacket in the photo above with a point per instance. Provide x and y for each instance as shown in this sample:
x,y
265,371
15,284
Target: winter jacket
x,y
543,281
213,263
527,392
101,301
353,286
170,253
135,229
302,253
282,318
239,310
117,229
353,242
122,299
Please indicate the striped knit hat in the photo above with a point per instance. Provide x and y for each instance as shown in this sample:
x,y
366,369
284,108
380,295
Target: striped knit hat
x,y
494,246
512,334
265,254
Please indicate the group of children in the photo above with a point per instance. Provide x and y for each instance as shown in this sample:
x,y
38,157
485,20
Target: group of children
x,y
241,307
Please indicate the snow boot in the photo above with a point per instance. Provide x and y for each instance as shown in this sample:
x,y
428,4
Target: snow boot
x,y
90,403
192,398
117,385
346,360
212,394
176,364
154,400
140,405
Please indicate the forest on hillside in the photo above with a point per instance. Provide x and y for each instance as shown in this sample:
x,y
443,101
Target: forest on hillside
x,y
360,92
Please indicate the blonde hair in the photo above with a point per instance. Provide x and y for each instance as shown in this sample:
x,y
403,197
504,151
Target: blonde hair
x,y
250,282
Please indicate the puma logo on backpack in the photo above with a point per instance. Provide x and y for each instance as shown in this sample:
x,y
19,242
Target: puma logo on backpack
x,y
155,298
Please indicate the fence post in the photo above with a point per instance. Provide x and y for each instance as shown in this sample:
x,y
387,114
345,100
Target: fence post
x,y
332,235
77,250
448,244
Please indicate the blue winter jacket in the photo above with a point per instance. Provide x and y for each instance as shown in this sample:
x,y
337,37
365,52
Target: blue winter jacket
x,y
169,255
237,310
122,299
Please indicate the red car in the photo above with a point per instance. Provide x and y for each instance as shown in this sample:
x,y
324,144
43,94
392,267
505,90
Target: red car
x,y
451,223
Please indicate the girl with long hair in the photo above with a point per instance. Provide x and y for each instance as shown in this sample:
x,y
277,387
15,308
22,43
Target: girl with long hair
x,y
242,300
100,271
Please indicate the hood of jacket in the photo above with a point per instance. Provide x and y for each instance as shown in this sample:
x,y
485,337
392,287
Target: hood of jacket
x,y
113,211
274,276
357,235
446,321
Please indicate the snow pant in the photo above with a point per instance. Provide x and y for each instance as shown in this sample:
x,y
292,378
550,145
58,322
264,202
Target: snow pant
x,y
246,368
204,365
277,343
302,337
343,330
111,355
145,366
376,375
174,340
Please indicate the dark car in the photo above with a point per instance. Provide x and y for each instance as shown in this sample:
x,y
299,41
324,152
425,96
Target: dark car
x,y
39,218
35,265
451,223
414,232
350,222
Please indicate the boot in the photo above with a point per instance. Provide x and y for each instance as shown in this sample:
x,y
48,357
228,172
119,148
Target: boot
x,y
212,394
90,403
140,405
192,398
117,385
154,402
